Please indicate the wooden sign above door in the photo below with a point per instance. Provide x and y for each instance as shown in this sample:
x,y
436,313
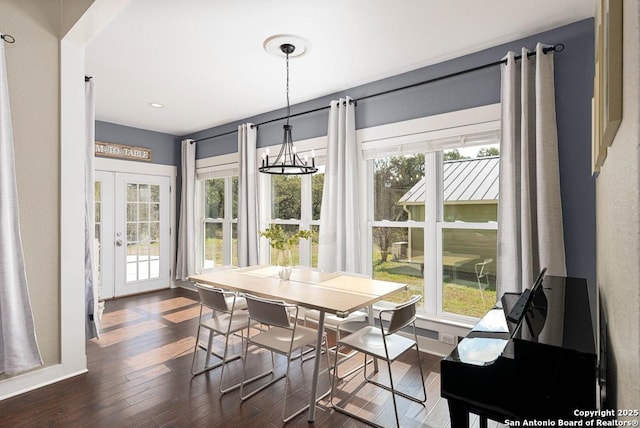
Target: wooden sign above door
x,y
121,151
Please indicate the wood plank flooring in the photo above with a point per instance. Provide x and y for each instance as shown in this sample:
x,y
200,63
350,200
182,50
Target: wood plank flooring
x,y
139,376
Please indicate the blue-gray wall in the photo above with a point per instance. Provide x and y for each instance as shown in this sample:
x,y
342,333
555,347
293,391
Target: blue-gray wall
x,y
574,88
165,147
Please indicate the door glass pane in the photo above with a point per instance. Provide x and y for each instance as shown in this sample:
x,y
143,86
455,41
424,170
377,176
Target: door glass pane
x,y
286,192
399,188
132,212
143,234
132,232
468,271
154,259
143,193
132,262
154,214
132,192
154,231
155,193
143,211
398,256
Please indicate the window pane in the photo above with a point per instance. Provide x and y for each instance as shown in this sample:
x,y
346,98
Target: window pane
x,y
234,197
398,255
213,245
399,188
234,244
143,211
144,192
214,198
285,196
317,184
468,271
132,192
470,184
314,245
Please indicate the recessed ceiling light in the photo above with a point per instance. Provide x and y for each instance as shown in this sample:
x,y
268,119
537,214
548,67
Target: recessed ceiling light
x,y
156,105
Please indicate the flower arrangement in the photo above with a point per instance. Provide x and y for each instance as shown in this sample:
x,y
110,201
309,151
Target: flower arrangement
x,y
280,240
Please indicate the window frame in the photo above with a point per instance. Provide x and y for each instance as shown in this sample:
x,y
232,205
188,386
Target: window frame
x,y
219,167
432,136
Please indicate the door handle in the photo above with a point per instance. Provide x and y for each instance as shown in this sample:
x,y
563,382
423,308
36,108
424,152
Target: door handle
x,y
118,242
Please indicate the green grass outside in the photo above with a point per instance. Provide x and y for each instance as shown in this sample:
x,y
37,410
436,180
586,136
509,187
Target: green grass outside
x,y
462,297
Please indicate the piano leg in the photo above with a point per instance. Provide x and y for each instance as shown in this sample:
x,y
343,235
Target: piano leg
x,y
483,421
459,415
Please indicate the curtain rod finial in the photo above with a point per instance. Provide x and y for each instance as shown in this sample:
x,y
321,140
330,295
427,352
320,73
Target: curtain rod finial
x,y
8,38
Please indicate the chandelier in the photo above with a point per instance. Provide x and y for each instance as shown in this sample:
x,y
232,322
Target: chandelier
x,y
287,162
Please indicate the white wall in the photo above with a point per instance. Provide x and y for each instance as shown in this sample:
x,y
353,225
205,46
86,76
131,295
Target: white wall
x,y
33,74
618,229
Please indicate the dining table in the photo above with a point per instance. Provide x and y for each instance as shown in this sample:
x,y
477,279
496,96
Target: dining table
x,y
336,293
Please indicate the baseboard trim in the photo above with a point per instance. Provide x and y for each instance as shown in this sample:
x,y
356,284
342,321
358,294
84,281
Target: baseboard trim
x,y
20,384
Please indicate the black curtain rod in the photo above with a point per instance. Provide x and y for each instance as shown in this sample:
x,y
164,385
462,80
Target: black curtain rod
x,y
559,47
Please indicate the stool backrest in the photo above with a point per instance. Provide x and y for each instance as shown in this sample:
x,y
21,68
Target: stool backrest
x,y
269,312
214,298
402,315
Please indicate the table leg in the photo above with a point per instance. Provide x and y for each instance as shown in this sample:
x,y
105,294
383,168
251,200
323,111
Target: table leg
x,y
372,323
316,369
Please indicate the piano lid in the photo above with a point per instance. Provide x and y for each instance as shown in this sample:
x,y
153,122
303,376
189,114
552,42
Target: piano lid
x,y
567,321
479,351
494,321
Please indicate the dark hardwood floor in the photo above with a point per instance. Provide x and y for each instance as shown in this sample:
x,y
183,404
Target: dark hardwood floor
x,y
139,376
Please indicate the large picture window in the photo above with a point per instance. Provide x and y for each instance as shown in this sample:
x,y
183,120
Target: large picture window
x,y
434,226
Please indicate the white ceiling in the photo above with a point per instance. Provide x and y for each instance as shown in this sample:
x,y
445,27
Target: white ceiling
x,y
204,60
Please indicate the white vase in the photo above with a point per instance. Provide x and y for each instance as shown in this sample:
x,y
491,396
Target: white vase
x,y
285,264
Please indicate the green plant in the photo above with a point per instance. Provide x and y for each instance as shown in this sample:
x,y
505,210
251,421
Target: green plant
x,y
280,240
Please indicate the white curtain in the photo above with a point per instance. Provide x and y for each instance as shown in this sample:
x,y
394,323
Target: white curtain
x,y
186,258
248,237
18,346
340,244
92,322
530,234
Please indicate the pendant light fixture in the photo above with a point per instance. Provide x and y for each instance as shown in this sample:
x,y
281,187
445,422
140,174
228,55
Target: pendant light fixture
x,y
287,162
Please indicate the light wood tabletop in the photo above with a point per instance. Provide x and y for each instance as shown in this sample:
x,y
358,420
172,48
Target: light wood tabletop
x,y
338,293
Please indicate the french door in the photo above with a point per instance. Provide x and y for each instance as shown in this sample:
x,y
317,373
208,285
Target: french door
x,y
133,229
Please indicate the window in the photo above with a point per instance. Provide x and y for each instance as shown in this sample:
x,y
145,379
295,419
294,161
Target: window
x,y
219,198
398,232
468,230
295,204
433,225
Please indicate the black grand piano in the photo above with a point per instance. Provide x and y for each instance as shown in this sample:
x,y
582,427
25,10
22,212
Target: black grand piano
x,y
531,357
